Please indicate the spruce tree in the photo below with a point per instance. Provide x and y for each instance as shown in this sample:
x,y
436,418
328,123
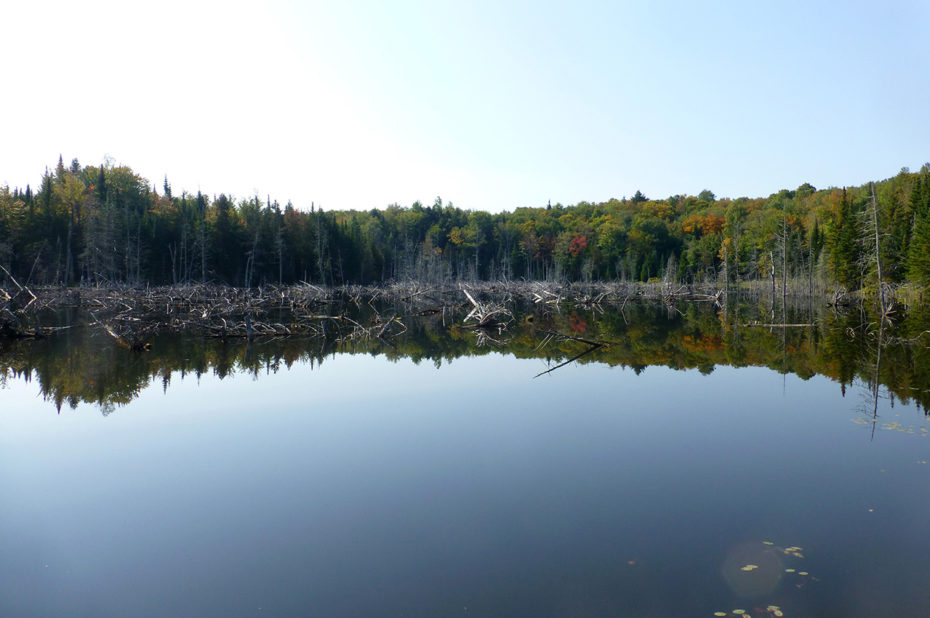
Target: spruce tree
x,y
918,262
845,250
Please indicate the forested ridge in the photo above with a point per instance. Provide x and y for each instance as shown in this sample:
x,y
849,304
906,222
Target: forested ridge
x,y
101,225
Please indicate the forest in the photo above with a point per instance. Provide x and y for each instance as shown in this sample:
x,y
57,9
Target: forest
x,y
105,225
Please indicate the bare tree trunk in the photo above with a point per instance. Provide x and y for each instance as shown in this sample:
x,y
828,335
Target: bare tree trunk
x,y
203,254
784,259
772,273
280,243
878,255
250,262
319,246
139,249
810,265
68,264
736,253
173,254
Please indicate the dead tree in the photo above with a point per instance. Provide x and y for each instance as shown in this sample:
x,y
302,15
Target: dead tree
x,y
883,307
487,315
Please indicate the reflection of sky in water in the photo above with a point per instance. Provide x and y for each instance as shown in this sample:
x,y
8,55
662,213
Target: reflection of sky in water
x,y
366,487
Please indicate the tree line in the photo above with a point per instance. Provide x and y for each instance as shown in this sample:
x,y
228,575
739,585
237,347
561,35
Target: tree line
x,y
101,225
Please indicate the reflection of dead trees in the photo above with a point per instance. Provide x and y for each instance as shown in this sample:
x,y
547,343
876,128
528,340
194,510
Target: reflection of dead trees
x,y
281,310
306,310
131,339
211,311
688,293
548,297
839,299
556,336
344,328
17,312
484,338
487,315
592,303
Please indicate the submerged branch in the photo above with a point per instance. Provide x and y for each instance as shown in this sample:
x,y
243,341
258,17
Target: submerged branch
x,y
571,360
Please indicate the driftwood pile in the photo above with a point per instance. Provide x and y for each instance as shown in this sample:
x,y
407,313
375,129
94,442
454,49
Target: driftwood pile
x,y
133,315
19,307
487,315
214,311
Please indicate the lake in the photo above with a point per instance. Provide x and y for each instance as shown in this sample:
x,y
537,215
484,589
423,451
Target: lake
x,y
691,466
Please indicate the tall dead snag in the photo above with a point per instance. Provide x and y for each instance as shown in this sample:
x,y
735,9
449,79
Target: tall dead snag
x,y
883,307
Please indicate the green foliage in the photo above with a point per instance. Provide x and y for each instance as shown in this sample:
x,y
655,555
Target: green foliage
x,y
106,224
918,263
846,246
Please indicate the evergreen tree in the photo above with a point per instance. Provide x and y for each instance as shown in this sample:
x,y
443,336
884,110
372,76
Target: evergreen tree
x,y
845,250
918,263
101,187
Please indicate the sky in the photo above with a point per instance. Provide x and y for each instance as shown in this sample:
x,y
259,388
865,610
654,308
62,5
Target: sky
x,y
488,105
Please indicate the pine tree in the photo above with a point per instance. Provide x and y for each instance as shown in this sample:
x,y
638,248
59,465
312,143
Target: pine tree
x,y
901,216
845,251
918,262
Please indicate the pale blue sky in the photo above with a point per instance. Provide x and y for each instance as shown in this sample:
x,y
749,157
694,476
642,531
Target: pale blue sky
x,y
491,105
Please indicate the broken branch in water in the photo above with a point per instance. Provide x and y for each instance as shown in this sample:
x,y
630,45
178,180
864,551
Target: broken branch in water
x,y
486,315
571,360
550,335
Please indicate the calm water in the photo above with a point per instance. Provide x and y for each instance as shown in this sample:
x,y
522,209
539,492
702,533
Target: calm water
x,y
434,478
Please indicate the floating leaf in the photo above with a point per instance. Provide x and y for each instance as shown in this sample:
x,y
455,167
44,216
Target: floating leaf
x,y
750,567
720,613
802,573
739,612
778,612
767,543
789,570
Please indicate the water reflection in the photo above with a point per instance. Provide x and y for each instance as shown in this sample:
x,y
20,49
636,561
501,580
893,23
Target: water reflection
x,y
362,481
84,365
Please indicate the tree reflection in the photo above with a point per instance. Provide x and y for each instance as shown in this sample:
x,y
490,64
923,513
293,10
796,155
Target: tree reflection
x,y
82,365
